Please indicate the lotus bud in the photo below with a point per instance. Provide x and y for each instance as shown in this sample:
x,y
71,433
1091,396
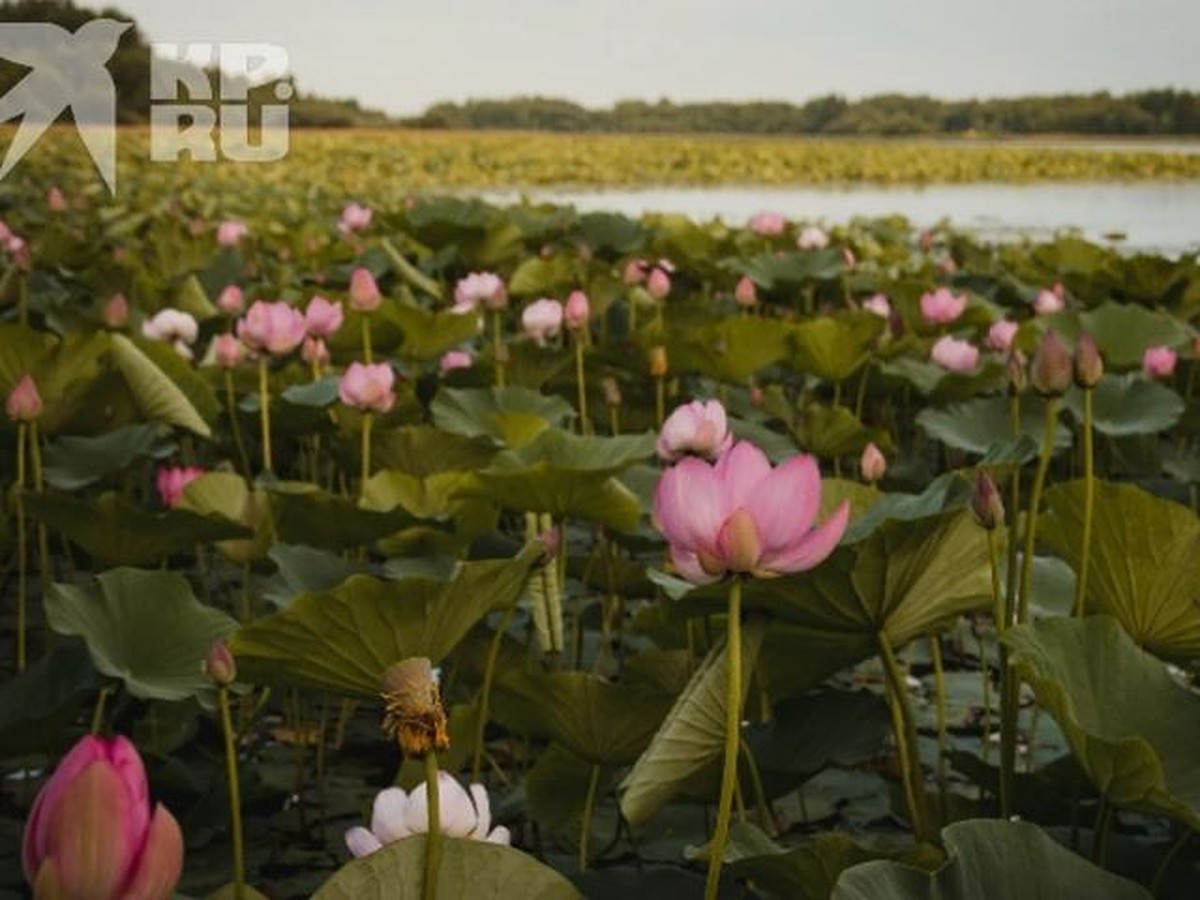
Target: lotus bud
x,y
1089,366
873,464
634,272
1052,368
658,285
1017,376
746,294
413,713
219,664
364,292
24,403
55,200
577,311
658,362
116,312
228,351
986,502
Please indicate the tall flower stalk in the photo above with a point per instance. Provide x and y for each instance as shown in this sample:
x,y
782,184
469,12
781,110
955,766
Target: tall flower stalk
x,y
733,719
1089,368
222,670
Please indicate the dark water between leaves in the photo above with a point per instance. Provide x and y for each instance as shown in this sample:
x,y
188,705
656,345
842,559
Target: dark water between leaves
x,y
1161,217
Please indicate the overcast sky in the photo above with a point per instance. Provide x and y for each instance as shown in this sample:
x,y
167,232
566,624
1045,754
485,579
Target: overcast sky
x,y
401,56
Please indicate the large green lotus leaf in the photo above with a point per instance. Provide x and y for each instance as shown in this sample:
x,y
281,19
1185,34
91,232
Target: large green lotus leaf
x,y
226,494
427,335
562,451
344,639
191,298
306,514
990,859
939,385
145,628
555,788
117,532
808,871
730,350
833,347
513,415
830,431
1145,561
68,372
597,720
1122,331
977,426
71,462
693,734
306,570
545,276
156,392
772,270
1132,728
469,870
432,497
421,450
1128,404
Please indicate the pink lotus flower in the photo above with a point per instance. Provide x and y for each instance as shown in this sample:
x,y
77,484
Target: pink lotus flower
x,y
699,427
55,200
355,217
1159,362
812,237
92,833
658,284
1000,335
368,387
740,515
879,305
542,319
479,290
397,815
24,403
322,318
767,224
231,232
18,251
116,311
364,292
171,482
746,292
873,463
231,300
172,326
576,311
314,352
1048,302
954,355
453,360
228,351
275,328
941,307
635,272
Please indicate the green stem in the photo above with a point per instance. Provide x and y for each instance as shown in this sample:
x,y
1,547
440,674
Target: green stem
x,y
368,357
264,414
235,426
433,846
905,733
765,814
497,347
733,719
660,400
586,825
1101,831
367,421
22,298
585,425
22,553
98,711
235,794
632,313
1035,499
939,682
1007,736
861,396
1176,848
485,692
43,544
1089,504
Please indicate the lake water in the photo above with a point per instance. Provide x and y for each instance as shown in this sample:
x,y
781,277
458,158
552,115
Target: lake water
x,y
1161,217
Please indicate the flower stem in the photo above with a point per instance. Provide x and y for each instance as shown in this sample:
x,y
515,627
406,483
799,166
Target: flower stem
x,y
264,412
1089,503
235,794
1005,617
366,338
39,485
1101,831
1176,848
939,681
367,421
766,816
497,347
586,825
905,733
1035,499
585,424
235,426
733,719
22,552
98,711
433,846
660,400
485,692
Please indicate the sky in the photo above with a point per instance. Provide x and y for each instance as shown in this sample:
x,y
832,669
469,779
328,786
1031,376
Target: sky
x,y
401,56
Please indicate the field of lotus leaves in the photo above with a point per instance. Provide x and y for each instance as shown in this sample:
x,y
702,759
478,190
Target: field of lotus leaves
x,y
684,559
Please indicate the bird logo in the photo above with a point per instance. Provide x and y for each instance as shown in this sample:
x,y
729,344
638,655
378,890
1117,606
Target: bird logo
x,y
67,71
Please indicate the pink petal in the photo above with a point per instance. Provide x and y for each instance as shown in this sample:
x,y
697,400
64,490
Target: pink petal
x,y
812,548
784,504
739,471
387,815
500,835
158,869
687,564
483,811
361,842
688,505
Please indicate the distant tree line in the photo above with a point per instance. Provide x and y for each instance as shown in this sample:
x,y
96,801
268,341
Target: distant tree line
x,y
1156,112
